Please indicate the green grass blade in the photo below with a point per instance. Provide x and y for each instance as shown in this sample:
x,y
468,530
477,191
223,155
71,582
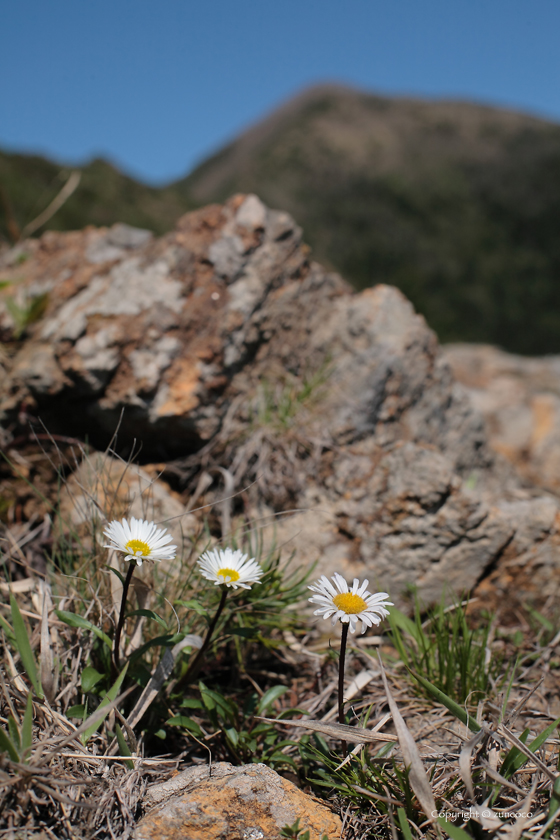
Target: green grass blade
x,y
6,745
109,697
27,726
404,623
546,733
269,697
548,625
188,723
90,678
123,746
509,687
74,620
454,831
455,709
518,760
116,573
507,764
405,828
13,729
8,631
150,614
554,806
24,647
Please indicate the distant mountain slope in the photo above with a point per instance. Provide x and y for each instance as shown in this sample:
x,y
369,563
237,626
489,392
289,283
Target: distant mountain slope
x,y
104,196
457,204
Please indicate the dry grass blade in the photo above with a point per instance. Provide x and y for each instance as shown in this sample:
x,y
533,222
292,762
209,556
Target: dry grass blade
x,y
60,797
69,187
497,777
48,676
485,817
336,730
17,681
515,831
371,795
465,762
524,700
418,779
97,716
358,747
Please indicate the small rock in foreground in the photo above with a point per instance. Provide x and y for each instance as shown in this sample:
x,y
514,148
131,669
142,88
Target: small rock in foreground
x,y
233,803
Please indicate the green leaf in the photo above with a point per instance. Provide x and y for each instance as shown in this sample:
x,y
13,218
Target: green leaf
x,y
6,745
76,711
150,614
117,573
13,729
232,734
186,723
246,632
291,830
269,697
8,630
123,746
442,698
24,647
90,678
454,831
214,700
193,605
191,703
405,828
73,620
27,726
109,697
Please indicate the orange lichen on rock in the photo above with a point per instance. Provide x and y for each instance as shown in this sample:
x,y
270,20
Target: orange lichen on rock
x,y
235,803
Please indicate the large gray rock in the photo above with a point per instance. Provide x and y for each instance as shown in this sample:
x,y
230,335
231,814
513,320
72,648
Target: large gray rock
x,y
519,397
222,347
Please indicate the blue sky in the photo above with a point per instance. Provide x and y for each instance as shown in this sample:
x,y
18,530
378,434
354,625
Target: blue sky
x,y
157,86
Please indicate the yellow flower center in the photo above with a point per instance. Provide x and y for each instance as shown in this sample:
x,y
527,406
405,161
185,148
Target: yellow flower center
x,y
349,603
228,573
138,548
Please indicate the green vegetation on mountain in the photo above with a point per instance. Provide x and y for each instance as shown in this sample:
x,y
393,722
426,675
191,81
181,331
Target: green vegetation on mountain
x,y
456,204
28,183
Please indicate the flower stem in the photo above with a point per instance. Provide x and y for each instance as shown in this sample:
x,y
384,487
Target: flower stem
x,y
341,664
194,666
118,633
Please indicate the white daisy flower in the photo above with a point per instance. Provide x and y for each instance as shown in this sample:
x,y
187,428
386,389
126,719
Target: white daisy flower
x,y
140,540
349,605
229,567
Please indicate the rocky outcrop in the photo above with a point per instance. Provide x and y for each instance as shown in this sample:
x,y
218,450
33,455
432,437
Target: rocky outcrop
x,y
246,367
232,803
519,398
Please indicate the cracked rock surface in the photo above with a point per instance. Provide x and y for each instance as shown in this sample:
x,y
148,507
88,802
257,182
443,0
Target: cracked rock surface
x,y
250,802
239,363
519,398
